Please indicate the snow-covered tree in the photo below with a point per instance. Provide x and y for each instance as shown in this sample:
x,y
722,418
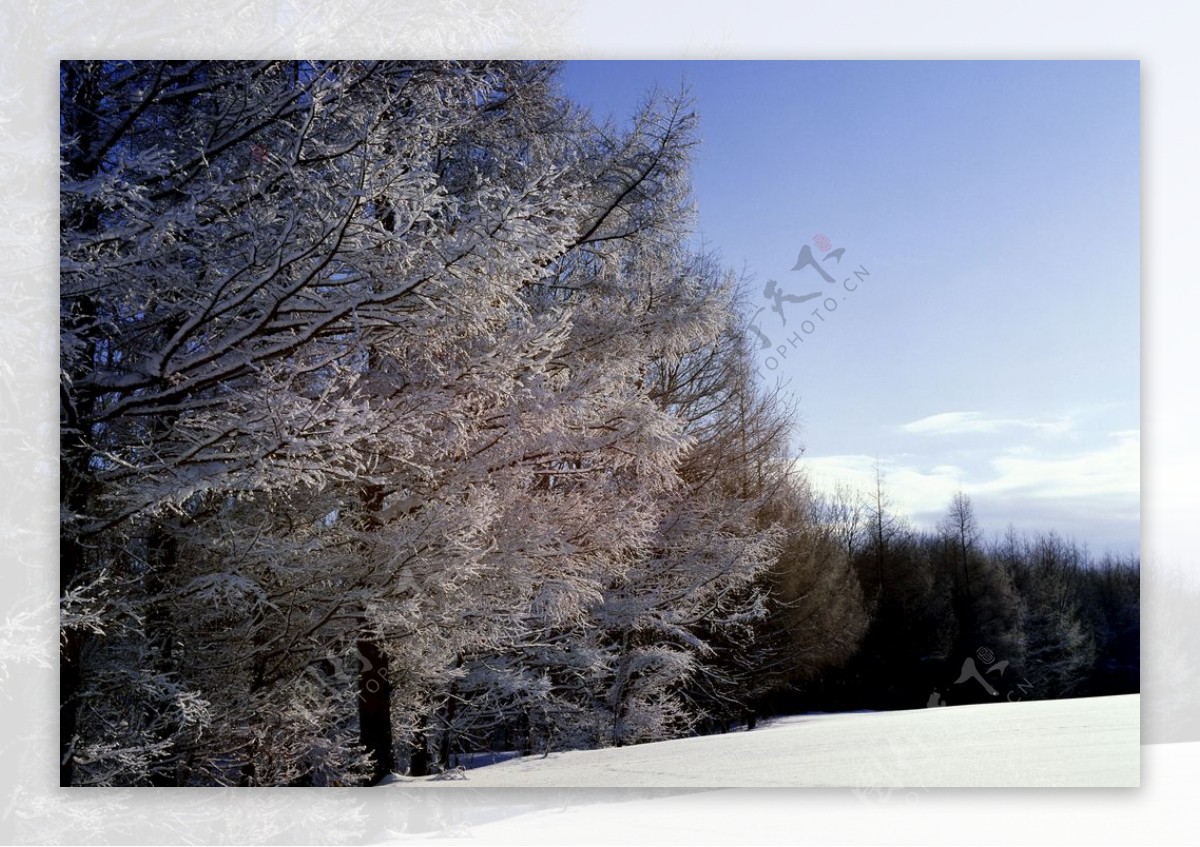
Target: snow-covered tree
x,y
283,286
1059,651
984,601
360,431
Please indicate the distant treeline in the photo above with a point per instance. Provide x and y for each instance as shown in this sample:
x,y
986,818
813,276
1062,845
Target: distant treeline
x,y
954,619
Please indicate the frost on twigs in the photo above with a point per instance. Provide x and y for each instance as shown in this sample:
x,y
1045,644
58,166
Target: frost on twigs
x,y
399,422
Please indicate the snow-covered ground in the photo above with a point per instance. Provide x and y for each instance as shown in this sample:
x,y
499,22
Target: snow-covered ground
x,y
1080,743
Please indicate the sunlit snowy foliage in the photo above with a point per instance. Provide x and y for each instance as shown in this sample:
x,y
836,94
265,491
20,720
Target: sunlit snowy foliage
x,y
398,420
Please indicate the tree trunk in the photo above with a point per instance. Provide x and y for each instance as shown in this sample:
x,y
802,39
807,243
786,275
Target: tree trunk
x,y
375,709
75,493
374,688
81,97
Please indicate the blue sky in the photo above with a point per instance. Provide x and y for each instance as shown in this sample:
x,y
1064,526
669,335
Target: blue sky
x,y
994,344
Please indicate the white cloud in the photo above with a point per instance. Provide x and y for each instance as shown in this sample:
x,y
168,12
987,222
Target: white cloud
x,y
912,490
975,423
1095,486
1111,471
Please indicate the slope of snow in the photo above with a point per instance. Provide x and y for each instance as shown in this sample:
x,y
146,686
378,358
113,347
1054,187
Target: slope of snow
x,y
1079,743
